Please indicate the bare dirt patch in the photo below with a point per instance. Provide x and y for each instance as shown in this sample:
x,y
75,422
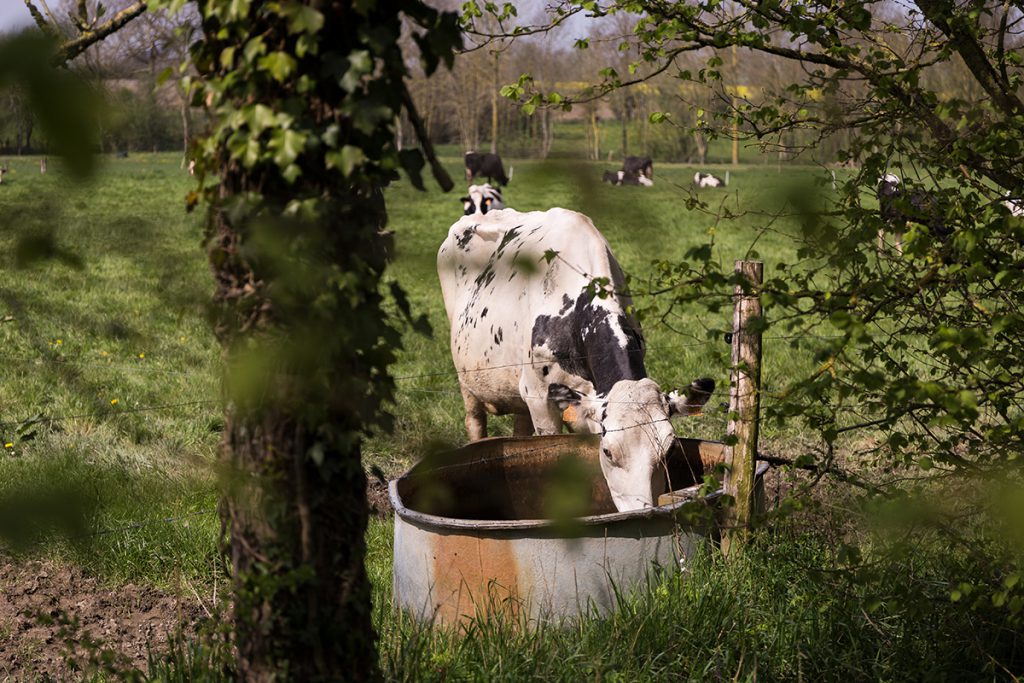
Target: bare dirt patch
x,y
377,498
127,620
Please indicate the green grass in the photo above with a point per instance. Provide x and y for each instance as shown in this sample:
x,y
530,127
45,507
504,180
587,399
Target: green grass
x,y
108,348
772,614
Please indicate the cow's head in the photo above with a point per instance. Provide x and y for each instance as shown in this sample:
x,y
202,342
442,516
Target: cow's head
x,y
888,185
481,199
636,435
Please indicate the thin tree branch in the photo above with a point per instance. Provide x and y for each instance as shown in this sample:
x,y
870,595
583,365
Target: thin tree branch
x,y
440,175
956,29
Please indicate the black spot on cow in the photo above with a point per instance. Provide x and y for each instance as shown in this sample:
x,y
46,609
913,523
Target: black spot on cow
x,y
466,236
545,370
483,313
567,303
509,235
498,336
585,343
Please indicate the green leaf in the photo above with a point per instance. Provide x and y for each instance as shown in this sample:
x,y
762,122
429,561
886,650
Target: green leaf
x,y
287,146
303,18
253,49
346,159
281,65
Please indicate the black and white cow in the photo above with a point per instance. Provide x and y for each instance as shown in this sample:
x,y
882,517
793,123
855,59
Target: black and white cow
x,y
643,166
1014,206
541,329
897,208
709,180
481,198
626,178
485,165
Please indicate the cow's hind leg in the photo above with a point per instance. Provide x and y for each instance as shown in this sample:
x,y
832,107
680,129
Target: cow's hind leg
x,y
476,417
523,425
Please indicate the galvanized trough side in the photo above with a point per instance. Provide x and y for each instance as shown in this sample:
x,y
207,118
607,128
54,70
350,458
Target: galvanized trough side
x,y
449,566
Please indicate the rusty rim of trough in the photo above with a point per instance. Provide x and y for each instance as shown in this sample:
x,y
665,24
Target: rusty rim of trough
x,y
659,511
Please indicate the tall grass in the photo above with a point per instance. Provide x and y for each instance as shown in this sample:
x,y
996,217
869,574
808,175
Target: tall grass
x,y
110,408
775,613
108,364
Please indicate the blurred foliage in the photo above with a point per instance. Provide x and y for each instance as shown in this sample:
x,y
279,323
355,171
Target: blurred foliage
x,y
918,396
61,102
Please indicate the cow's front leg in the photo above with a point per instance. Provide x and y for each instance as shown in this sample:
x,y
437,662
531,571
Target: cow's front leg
x,y
545,415
476,417
522,425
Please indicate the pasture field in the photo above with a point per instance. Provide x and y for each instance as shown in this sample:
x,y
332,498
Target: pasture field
x,y
110,404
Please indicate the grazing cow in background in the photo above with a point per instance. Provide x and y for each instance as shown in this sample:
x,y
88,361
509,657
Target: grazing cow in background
x,y
897,208
1014,206
541,329
481,199
486,165
708,180
626,178
643,166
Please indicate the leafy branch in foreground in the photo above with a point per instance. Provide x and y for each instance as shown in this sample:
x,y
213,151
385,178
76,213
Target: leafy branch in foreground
x,y
923,370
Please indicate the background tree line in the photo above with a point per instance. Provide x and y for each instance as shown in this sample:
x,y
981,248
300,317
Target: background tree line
x,y
134,73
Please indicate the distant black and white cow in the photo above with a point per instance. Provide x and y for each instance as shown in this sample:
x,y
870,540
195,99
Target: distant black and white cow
x,y
541,329
897,208
708,180
481,198
1014,206
643,166
485,165
626,178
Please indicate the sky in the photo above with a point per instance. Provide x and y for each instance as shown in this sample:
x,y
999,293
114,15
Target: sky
x,y
13,14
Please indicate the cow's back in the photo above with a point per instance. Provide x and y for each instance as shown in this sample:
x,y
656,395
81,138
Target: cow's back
x,y
503,270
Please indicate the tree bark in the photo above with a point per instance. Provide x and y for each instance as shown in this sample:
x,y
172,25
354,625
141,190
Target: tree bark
x,y
494,105
298,312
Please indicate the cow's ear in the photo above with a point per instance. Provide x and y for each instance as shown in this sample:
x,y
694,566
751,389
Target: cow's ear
x,y
563,396
690,403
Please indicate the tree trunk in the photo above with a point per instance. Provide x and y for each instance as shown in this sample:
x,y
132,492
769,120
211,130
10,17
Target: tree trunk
x,y
702,148
185,132
306,340
494,105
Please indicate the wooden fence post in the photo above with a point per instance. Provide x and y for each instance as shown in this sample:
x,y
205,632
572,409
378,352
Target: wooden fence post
x,y
744,406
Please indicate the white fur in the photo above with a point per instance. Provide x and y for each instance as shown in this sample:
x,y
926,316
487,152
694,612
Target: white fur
x,y
493,281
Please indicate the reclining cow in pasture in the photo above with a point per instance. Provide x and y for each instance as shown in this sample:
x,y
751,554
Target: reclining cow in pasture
x,y
626,178
641,166
709,180
541,329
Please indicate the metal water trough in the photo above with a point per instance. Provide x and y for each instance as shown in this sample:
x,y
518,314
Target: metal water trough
x,y
471,534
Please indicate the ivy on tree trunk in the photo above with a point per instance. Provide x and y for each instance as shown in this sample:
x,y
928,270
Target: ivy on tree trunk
x,y
305,96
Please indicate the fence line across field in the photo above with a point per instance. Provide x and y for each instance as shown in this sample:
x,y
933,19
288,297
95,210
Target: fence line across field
x,y
144,366
102,413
